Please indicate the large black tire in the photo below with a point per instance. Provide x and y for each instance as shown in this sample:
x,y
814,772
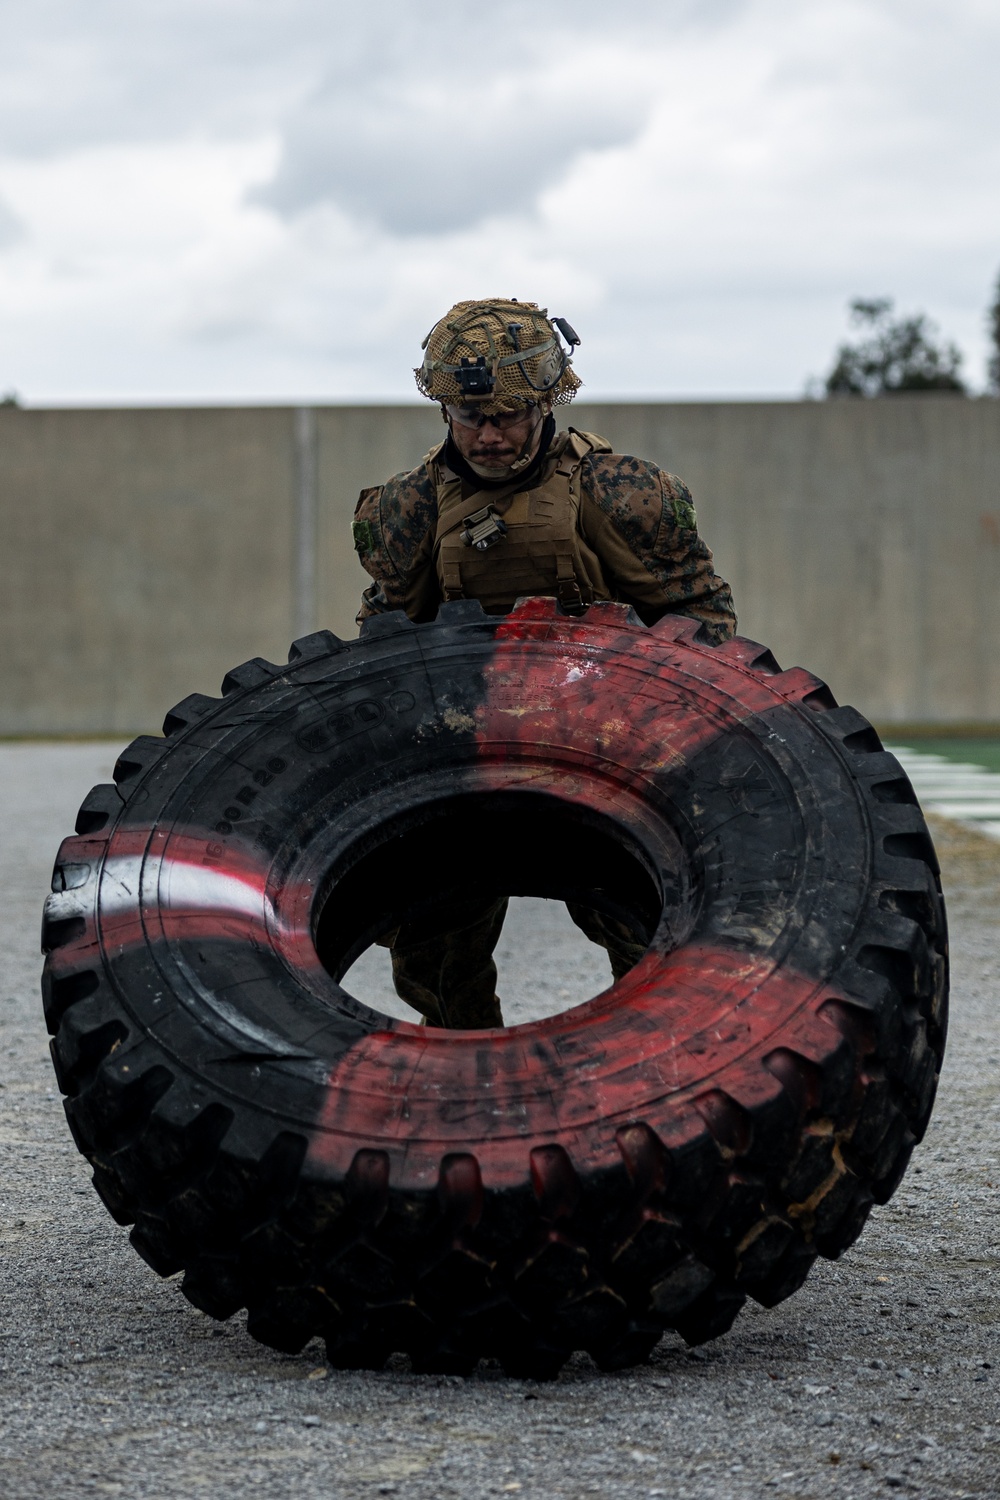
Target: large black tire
x,y
696,1134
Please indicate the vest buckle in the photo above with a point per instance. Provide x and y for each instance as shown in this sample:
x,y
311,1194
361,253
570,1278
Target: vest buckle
x,y
483,529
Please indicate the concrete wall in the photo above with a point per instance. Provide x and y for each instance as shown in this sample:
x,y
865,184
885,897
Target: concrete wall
x,y
144,552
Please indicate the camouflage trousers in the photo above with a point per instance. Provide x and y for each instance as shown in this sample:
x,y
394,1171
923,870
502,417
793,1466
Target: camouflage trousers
x,y
449,975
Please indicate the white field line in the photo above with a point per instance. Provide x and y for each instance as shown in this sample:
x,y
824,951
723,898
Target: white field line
x,y
952,789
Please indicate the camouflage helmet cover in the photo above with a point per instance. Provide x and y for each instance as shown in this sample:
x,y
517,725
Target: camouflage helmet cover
x,y
498,354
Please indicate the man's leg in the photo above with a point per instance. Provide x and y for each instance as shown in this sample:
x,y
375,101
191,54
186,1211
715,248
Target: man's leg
x,y
623,947
450,976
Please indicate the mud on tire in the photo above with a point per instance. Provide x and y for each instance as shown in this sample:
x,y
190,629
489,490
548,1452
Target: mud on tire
x,y
697,1134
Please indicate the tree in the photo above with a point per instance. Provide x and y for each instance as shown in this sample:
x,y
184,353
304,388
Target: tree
x,y
993,322
898,355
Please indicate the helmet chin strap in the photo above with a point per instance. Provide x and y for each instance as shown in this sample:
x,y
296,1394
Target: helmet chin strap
x,y
524,458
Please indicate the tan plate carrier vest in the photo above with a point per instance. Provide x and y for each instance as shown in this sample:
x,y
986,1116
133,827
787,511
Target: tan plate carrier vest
x,y
541,552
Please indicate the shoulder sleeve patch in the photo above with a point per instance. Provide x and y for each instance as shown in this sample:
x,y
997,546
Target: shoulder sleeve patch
x,y
678,497
365,529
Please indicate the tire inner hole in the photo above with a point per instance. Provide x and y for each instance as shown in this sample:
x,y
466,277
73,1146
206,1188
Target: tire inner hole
x,y
431,869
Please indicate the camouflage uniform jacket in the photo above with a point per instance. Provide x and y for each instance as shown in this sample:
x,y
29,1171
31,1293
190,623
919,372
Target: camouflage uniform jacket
x,y
636,518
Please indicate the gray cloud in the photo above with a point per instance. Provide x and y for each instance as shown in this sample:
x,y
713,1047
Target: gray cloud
x,y
431,120
73,75
414,118
432,154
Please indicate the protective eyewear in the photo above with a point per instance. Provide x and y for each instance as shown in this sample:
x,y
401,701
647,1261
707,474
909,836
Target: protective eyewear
x,y
471,416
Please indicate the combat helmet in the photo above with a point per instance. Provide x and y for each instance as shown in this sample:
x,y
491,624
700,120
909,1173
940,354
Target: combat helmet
x,y
499,354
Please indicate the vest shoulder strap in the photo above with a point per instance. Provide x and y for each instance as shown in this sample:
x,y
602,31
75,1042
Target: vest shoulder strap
x,y
432,462
576,448
594,444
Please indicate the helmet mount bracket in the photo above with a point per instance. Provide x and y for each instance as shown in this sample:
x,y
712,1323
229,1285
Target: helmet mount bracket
x,y
475,378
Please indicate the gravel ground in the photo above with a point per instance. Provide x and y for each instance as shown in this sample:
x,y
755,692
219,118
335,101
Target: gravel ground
x,y
881,1374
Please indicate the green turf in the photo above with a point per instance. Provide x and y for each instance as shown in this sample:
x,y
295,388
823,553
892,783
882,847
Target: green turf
x,y
977,751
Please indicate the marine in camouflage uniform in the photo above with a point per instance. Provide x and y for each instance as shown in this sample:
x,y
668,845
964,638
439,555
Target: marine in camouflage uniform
x,y
504,507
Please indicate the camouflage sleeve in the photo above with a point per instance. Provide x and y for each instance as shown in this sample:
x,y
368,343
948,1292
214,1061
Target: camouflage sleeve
x,y
641,523
393,531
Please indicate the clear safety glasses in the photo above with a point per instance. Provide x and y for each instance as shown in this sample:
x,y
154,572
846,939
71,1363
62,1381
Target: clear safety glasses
x,y
471,416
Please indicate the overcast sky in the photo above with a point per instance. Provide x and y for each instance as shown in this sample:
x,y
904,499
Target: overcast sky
x,y
241,199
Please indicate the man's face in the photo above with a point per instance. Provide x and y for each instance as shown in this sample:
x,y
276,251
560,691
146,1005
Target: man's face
x,y
494,446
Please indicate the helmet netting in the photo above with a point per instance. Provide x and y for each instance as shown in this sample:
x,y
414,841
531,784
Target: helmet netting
x,y
482,328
